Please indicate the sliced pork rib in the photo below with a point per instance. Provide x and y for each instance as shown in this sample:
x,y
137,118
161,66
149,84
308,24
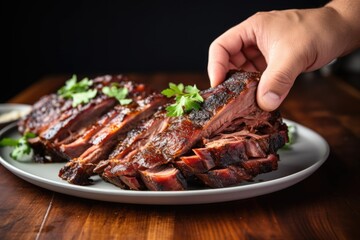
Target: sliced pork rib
x,y
137,146
231,103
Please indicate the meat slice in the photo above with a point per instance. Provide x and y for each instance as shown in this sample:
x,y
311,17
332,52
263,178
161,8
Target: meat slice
x,y
75,146
78,118
102,143
235,174
227,103
163,177
138,137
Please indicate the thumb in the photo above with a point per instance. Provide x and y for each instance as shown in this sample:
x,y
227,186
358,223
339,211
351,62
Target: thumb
x,y
278,78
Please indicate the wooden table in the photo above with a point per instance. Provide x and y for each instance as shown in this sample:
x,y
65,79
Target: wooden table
x,y
324,206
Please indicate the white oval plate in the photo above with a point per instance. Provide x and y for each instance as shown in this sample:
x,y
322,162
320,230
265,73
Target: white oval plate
x,y
15,109
306,155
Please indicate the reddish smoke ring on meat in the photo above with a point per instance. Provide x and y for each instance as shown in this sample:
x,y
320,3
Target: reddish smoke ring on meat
x,y
137,146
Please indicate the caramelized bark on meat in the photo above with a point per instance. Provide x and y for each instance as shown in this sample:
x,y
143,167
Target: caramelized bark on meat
x,y
137,146
229,103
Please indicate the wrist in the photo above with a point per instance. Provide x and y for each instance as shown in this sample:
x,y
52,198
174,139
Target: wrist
x,y
347,15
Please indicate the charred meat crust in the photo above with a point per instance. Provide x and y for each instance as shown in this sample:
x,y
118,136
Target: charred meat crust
x,y
137,146
229,107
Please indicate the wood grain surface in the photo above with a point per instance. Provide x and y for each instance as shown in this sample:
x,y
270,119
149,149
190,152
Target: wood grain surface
x,y
326,205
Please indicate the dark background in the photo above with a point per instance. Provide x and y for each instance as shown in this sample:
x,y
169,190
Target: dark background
x,y
101,37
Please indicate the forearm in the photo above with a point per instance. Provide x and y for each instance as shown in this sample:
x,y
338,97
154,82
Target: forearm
x,y
348,13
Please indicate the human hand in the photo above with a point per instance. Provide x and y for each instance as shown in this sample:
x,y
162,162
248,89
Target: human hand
x,y
281,44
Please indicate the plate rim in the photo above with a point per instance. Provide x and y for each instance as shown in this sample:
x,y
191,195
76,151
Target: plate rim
x,y
171,197
13,106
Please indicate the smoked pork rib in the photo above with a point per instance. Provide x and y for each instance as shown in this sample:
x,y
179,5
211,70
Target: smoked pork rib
x,y
138,146
153,165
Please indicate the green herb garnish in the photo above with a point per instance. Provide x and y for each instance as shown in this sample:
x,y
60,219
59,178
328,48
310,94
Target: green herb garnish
x,y
21,145
83,97
292,134
187,98
117,92
79,92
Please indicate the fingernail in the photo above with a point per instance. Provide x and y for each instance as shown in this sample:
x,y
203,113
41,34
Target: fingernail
x,y
272,100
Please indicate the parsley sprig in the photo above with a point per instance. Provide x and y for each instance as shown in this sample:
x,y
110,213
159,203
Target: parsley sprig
x,y
79,92
117,92
292,134
186,99
21,145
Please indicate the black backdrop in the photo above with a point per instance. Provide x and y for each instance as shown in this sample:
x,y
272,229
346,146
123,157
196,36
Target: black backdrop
x,y
99,37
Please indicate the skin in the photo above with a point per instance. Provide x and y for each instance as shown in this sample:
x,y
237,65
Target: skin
x,y
283,44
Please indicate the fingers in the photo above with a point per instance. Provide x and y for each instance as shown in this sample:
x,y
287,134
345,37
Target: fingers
x,y
237,48
218,63
224,53
254,56
275,83
280,43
